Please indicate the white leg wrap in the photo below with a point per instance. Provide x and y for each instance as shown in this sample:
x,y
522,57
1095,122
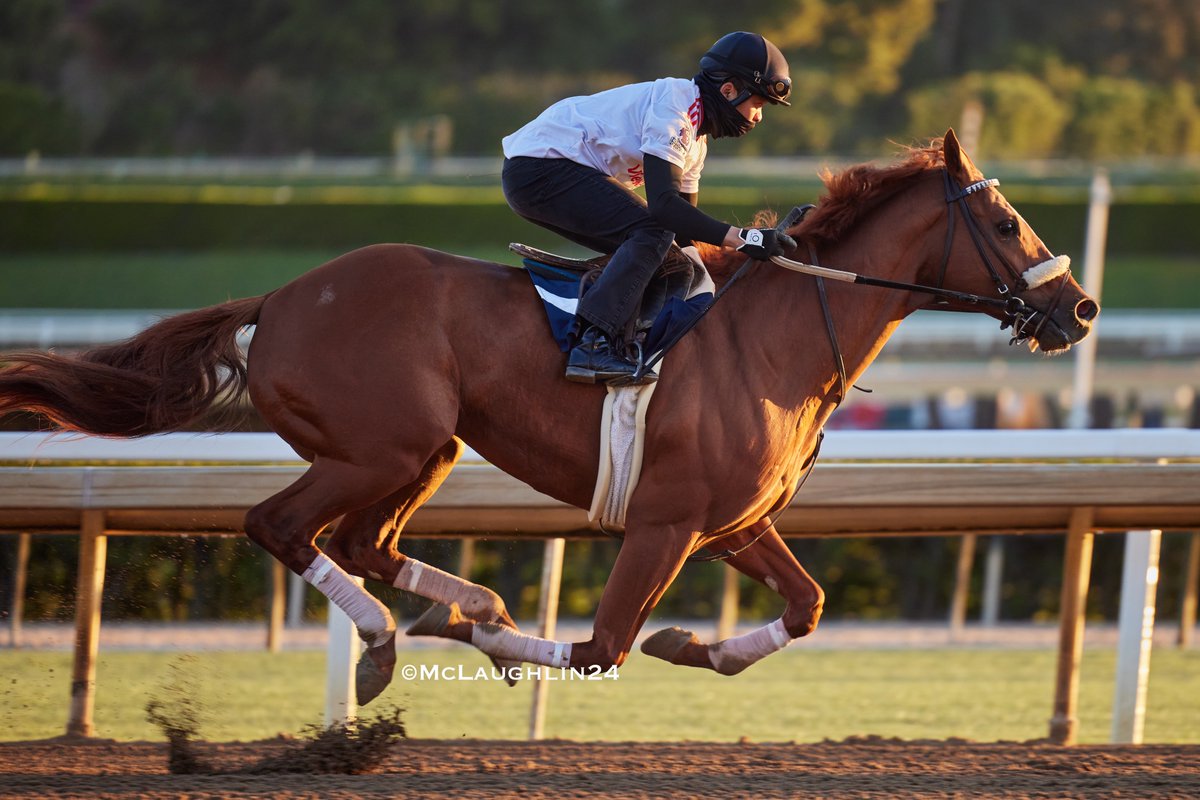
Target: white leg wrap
x,y
371,617
475,602
505,643
734,655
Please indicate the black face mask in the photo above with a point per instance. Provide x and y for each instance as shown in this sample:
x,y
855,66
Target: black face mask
x,y
721,117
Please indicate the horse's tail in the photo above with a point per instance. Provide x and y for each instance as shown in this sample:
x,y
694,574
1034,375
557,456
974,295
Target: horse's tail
x,y
162,379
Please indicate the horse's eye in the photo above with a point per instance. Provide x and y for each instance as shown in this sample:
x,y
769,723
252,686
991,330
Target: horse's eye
x,y
1007,228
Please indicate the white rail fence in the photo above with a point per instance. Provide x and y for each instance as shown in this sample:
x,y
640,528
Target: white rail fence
x,y
868,483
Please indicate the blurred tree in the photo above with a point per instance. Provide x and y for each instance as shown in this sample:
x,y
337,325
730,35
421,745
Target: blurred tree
x,y
32,51
1173,120
1021,116
33,120
1109,119
283,76
812,124
149,112
862,44
1152,40
32,45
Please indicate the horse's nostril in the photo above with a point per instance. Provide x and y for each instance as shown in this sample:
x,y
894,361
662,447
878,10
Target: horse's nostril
x,y
1086,310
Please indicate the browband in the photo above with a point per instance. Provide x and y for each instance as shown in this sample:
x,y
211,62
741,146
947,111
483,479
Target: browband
x,y
974,187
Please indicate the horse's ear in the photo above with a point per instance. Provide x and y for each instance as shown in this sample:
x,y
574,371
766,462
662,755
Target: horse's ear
x,y
957,161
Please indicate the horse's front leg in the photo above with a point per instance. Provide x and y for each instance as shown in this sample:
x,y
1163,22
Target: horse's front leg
x,y
647,563
771,563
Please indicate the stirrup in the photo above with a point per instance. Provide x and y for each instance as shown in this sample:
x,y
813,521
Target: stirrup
x,y
592,353
642,374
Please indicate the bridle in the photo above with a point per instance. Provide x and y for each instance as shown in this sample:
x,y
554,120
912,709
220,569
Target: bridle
x,y
1026,322
1018,314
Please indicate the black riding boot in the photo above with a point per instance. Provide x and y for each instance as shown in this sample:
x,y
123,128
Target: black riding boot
x,y
592,360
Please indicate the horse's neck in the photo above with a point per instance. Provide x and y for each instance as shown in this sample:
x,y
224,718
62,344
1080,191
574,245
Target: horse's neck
x,y
784,313
863,318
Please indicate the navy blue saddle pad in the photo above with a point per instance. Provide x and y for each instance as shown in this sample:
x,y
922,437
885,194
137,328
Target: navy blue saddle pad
x,y
559,289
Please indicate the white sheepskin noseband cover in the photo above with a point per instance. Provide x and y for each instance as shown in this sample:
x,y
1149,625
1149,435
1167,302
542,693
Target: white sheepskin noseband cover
x,y
1047,271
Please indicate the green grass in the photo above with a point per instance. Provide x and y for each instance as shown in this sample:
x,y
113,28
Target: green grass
x,y
803,696
195,279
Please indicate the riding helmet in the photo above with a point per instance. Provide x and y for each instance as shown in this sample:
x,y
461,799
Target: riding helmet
x,y
753,59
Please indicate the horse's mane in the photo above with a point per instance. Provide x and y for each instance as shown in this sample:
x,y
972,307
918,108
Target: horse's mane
x,y
849,196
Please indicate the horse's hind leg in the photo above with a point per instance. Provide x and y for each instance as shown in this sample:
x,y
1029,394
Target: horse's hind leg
x,y
771,563
366,543
286,525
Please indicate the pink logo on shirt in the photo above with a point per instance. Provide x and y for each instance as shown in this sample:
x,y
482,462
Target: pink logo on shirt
x,y
682,142
637,175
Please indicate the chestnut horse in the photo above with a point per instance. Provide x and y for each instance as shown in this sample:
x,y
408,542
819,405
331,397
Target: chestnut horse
x,y
379,365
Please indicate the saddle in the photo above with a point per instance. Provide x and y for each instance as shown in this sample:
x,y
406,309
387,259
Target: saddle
x,y
677,278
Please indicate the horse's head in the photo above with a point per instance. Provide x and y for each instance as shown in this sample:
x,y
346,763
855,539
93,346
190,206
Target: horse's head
x,y
997,254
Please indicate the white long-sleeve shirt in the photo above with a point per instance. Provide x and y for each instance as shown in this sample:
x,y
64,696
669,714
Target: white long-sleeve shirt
x,y
611,130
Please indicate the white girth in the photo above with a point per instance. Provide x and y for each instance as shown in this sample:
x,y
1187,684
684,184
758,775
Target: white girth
x,y
622,435
623,431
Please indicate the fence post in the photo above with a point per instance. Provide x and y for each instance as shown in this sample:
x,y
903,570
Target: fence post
x,y
1077,565
16,612
340,658
728,619
466,558
1093,280
962,585
1135,637
992,581
93,549
276,606
1187,610
552,561
297,588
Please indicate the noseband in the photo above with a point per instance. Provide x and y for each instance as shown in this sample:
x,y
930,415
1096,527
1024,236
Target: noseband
x,y
1025,321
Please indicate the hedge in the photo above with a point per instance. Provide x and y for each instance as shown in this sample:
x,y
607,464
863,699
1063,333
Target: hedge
x,y
1164,228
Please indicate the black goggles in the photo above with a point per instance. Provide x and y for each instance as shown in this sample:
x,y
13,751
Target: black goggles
x,y
774,88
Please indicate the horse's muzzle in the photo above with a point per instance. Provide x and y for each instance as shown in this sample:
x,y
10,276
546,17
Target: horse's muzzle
x,y
1067,325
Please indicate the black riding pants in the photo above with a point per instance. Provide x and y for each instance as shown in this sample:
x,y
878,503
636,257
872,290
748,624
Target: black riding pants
x,y
594,210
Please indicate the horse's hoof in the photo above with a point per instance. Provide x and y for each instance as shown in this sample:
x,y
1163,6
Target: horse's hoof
x,y
433,622
510,669
374,671
437,620
667,643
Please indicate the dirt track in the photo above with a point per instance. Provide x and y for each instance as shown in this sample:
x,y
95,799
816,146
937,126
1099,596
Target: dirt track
x,y
867,767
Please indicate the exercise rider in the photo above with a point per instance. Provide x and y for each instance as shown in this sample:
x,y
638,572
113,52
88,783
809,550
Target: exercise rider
x,y
573,168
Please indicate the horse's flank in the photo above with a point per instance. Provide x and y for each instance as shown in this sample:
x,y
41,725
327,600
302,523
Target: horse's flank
x,y
490,374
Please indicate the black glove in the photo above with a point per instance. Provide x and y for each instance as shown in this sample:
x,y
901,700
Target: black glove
x,y
762,243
